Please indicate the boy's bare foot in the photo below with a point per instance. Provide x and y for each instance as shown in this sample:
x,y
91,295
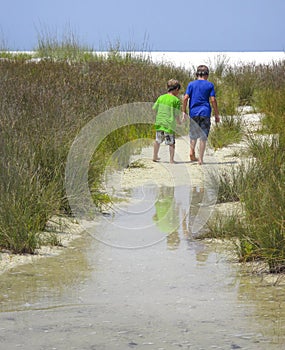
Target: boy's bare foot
x,y
173,162
156,159
193,158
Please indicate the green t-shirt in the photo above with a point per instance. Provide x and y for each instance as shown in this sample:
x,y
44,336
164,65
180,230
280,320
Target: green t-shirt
x,y
168,107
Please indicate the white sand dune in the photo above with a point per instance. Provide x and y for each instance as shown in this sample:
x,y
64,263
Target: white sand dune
x,y
190,59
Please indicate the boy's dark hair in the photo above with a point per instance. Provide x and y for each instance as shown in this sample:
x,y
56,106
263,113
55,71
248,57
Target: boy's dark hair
x,y
202,70
173,84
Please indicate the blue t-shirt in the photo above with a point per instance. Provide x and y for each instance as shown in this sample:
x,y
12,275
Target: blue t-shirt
x,y
199,92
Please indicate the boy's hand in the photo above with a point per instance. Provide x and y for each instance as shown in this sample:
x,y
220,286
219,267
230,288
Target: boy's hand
x,y
217,119
184,117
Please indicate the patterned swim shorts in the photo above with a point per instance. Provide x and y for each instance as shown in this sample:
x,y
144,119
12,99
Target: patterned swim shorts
x,y
164,136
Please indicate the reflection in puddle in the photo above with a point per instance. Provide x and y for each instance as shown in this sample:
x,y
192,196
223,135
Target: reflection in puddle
x,y
177,293
153,214
166,216
188,212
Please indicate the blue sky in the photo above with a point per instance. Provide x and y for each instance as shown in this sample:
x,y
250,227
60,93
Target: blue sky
x,y
156,25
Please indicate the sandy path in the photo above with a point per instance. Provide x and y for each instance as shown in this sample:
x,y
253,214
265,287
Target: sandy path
x,y
184,172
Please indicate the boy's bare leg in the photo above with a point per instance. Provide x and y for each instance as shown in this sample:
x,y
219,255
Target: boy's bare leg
x,y
202,151
192,149
171,153
156,146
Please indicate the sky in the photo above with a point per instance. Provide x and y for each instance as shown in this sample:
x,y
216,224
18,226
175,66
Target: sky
x,y
152,25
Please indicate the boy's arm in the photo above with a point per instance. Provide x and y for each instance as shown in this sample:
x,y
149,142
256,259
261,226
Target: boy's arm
x,y
178,121
184,107
215,108
177,113
155,106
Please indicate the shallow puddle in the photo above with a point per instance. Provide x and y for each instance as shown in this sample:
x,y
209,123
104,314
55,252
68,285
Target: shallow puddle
x,y
139,279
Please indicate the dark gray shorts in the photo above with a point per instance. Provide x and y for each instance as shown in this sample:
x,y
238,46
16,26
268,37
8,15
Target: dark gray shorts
x,y
199,128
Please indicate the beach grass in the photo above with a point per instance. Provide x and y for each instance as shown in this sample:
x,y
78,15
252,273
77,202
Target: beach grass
x,y
258,183
230,130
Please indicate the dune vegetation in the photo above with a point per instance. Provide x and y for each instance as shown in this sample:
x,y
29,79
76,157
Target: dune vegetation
x,y
47,97
258,182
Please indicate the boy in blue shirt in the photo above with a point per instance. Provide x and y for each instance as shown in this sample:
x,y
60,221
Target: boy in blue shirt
x,y
201,95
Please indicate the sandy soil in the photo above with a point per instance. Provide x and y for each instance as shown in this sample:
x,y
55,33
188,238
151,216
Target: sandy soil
x,y
66,230
160,173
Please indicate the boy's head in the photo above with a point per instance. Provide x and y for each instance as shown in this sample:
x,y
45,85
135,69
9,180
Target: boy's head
x,y
202,71
173,84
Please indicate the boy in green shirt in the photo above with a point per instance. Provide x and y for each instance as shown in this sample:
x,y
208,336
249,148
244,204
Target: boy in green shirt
x,y
168,109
